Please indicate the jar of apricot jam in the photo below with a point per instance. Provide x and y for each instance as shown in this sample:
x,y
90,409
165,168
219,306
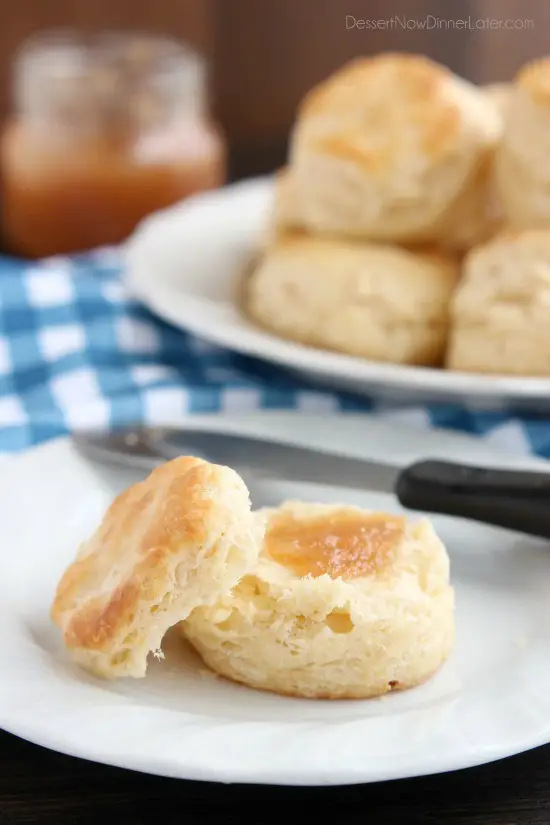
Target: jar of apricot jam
x,y
104,131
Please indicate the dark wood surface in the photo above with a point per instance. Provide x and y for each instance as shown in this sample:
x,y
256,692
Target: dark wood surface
x,y
39,786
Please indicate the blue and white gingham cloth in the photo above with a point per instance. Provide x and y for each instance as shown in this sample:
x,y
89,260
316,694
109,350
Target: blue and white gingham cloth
x,y
75,352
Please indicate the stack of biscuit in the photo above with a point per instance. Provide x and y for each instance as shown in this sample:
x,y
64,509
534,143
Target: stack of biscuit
x,y
410,224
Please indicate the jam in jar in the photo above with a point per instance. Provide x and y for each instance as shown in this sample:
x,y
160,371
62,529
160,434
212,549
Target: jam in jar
x,y
104,131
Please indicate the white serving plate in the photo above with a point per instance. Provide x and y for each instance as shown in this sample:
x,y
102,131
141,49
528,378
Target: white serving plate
x,y
183,263
490,700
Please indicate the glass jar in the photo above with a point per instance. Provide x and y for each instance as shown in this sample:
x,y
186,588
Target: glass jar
x,y
104,132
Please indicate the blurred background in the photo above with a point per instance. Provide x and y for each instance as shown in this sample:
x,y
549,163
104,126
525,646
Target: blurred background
x,y
262,56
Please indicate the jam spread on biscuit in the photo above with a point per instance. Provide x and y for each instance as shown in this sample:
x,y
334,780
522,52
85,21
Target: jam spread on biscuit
x,y
346,545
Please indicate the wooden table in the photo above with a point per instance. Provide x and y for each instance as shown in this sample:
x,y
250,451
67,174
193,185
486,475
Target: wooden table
x,y
39,786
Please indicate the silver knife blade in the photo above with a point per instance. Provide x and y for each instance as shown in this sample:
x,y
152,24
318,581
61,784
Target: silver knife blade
x,y
144,448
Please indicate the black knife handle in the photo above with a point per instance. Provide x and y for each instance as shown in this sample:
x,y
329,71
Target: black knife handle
x,y
515,499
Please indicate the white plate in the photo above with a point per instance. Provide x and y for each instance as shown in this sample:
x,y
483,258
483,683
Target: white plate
x,y
490,700
184,262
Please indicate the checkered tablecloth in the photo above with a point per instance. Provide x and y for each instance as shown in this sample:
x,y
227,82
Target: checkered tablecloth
x,y
75,352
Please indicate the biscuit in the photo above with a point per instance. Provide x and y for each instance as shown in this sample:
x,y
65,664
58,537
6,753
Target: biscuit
x,y
476,214
379,302
501,308
384,147
473,218
523,157
342,603
499,95
287,213
179,539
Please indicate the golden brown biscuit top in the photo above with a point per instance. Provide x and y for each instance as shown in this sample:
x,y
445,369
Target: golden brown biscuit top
x,y
534,78
354,121
130,563
343,544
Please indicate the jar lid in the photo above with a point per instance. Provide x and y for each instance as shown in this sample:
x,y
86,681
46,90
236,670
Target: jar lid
x,y
122,77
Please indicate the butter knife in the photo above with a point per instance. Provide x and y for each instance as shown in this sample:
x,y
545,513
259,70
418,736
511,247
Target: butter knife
x,y
514,499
